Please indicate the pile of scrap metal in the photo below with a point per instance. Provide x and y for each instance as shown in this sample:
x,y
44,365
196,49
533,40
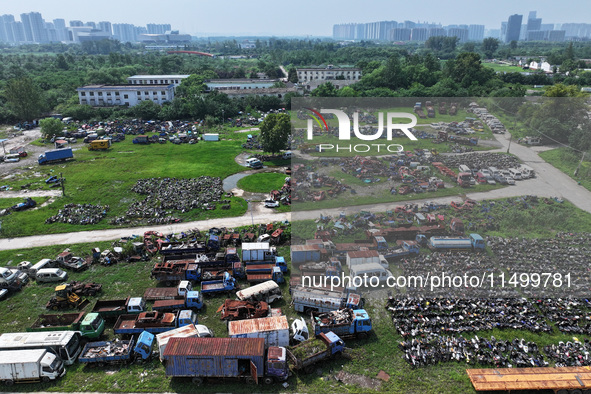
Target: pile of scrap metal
x,y
341,316
79,214
284,194
240,310
165,195
85,288
115,348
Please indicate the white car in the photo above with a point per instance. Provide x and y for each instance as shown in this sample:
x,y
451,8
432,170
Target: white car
x,y
508,177
271,203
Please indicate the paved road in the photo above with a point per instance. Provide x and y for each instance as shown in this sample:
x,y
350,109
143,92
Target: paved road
x,y
548,183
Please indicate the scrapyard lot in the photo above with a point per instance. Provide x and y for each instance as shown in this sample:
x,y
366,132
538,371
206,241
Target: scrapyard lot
x,y
379,352
107,178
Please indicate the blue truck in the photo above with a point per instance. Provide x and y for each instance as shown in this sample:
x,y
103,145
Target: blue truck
x,y
306,355
56,155
264,272
117,352
192,300
217,358
406,248
227,284
346,323
473,242
153,322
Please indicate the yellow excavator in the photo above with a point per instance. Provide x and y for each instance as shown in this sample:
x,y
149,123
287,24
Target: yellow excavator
x,y
64,298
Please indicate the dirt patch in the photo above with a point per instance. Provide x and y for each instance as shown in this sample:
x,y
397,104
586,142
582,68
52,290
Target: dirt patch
x,y
247,130
359,380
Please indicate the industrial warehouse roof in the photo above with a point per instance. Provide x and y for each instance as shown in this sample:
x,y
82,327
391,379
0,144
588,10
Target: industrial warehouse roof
x,y
124,87
174,76
215,347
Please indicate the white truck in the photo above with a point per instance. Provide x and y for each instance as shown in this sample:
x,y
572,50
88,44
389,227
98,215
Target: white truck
x,y
35,365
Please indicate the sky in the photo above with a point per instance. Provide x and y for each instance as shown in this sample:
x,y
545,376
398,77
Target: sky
x,y
294,18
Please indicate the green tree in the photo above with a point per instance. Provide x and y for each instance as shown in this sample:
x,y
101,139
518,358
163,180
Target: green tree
x,y
24,98
147,109
275,131
292,75
490,46
327,89
51,127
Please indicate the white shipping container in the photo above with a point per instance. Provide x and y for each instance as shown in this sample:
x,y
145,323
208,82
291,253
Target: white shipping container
x,y
211,137
274,330
255,251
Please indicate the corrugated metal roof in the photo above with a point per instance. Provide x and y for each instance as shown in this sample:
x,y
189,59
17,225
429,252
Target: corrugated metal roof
x,y
215,347
363,254
255,245
301,248
263,324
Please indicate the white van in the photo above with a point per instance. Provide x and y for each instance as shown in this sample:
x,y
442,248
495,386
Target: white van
x,y
45,263
51,275
464,168
371,270
287,155
526,172
515,173
253,162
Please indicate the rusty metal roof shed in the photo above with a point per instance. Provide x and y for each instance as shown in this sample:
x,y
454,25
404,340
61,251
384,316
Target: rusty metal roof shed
x,y
215,347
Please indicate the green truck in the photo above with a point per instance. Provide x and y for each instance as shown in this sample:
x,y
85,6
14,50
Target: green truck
x,y
91,325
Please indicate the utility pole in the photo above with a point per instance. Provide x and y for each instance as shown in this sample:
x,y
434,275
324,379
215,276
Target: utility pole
x,y
513,131
62,183
579,166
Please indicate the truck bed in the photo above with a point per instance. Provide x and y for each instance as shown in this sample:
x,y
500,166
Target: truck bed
x,y
168,304
308,353
162,293
95,352
102,306
258,278
212,286
56,322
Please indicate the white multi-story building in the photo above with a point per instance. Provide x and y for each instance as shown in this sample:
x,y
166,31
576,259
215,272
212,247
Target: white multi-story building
x,y
157,79
328,73
129,95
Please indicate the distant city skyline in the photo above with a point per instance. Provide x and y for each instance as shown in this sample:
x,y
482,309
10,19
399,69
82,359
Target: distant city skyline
x,y
303,18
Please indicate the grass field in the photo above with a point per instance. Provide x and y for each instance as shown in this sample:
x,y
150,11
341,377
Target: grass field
x,y
367,357
567,161
503,67
262,182
106,178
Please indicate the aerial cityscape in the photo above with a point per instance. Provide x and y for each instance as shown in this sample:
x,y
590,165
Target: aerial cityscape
x,y
321,197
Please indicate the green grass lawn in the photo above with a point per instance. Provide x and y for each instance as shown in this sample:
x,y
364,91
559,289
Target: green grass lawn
x,y
503,67
262,182
106,178
567,161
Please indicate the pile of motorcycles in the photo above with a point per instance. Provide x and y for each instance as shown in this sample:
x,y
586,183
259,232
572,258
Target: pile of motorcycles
x,y
79,214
